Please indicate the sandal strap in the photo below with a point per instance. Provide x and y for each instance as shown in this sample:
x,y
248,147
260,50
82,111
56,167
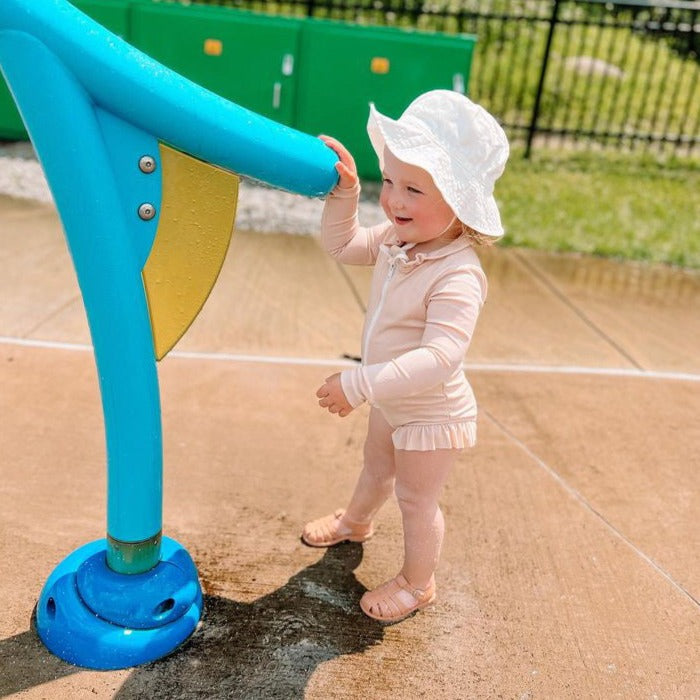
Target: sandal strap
x,y
390,605
418,593
324,531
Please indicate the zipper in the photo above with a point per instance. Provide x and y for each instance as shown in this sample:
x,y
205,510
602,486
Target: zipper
x,y
377,311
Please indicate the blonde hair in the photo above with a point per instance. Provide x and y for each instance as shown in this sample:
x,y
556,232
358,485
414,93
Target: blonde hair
x,y
476,237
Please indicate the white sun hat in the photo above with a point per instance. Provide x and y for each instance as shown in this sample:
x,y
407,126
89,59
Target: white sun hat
x,y
455,140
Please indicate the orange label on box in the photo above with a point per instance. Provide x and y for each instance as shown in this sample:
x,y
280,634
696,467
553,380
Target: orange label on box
x,y
379,65
213,47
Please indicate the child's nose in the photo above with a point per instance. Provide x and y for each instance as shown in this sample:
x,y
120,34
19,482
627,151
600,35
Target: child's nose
x,y
396,200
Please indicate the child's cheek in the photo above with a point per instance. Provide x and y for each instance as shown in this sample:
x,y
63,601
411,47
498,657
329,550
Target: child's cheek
x,y
384,202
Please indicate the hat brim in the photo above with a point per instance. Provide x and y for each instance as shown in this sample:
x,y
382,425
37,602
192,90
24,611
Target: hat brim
x,y
469,201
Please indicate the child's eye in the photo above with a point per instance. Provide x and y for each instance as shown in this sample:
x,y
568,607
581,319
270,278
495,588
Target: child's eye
x,y
387,181
414,190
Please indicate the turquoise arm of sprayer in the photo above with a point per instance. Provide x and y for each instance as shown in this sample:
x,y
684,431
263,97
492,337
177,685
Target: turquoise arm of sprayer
x,y
92,105
142,92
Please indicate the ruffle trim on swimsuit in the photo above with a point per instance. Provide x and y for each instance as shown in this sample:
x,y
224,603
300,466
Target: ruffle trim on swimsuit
x,y
435,436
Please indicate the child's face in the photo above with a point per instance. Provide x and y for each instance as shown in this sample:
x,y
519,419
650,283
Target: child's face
x,y
413,203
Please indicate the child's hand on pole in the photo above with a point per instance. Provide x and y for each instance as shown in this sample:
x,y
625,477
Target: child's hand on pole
x,y
347,170
332,397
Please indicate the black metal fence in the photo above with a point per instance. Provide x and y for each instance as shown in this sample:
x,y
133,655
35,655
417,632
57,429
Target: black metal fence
x,y
574,74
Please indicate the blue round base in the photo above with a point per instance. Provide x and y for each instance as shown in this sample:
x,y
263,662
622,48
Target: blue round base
x,y
91,616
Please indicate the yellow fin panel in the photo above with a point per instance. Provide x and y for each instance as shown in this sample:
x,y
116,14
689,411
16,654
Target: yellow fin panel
x,y
198,209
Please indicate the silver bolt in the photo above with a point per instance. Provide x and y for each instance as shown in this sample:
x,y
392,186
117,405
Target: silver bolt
x,y
147,164
147,211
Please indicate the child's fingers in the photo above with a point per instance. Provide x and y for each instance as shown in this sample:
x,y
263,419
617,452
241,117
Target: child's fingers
x,y
332,142
332,398
343,153
327,403
347,178
335,408
345,167
348,161
345,171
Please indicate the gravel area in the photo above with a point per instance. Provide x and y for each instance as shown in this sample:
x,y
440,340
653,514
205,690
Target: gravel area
x,y
259,208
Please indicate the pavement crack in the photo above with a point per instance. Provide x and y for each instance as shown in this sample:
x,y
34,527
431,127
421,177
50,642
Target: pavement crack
x,y
56,312
547,282
587,505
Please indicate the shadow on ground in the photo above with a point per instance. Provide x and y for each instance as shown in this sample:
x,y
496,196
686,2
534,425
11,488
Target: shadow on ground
x,y
265,649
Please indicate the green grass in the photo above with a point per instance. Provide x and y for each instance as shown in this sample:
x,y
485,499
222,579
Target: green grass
x,y
603,205
651,90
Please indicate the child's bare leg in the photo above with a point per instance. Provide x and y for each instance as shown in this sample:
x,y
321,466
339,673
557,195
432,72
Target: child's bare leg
x,y
374,485
376,481
420,477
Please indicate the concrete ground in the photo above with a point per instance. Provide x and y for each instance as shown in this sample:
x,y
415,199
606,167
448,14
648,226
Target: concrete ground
x,y
570,567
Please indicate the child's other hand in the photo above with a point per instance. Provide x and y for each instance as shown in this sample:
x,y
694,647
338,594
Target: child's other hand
x,y
347,170
332,397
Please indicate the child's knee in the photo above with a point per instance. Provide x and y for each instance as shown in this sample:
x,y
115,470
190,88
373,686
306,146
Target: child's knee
x,y
415,500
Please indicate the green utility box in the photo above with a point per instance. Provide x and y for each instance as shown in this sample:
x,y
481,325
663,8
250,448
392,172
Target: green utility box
x,y
113,14
345,67
245,57
11,124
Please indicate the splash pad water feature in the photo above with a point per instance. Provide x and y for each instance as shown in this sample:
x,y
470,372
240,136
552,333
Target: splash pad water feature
x,y
141,164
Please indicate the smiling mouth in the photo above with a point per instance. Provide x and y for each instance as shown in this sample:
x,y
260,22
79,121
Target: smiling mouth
x,y
401,220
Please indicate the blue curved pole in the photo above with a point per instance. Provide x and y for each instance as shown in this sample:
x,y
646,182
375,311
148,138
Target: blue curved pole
x,y
93,105
68,131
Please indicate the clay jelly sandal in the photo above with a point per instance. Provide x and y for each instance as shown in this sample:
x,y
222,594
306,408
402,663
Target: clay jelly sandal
x,y
395,600
332,529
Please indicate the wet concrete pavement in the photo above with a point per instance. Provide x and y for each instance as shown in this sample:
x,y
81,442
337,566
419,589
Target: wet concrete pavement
x,y
570,564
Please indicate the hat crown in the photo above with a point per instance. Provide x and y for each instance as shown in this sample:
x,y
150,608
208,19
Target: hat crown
x,y
464,130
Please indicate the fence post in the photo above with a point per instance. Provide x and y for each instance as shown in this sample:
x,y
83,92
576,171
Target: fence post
x,y
538,97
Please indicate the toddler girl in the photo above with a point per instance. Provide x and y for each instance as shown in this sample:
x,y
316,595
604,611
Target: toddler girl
x,y
439,162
